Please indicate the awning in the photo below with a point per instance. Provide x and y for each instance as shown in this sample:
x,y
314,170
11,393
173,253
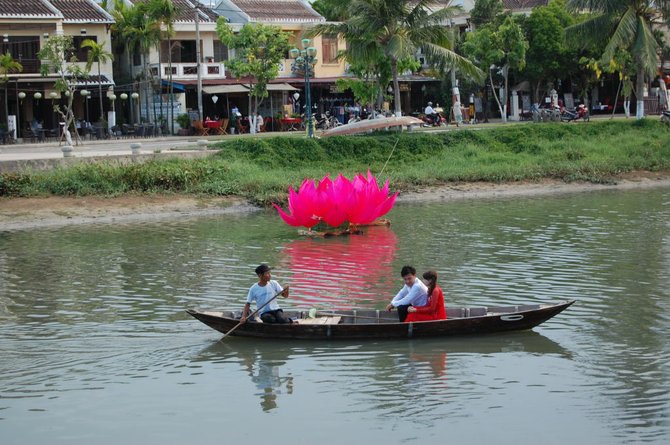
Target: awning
x,y
222,89
280,87
175,85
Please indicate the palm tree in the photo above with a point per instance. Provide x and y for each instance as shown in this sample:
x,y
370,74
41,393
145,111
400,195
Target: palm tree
x,y
399,29
134,26
164,12
8,65
626,25
97,54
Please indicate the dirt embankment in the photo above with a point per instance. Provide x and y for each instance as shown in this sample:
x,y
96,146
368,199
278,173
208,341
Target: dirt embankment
x,y
25,213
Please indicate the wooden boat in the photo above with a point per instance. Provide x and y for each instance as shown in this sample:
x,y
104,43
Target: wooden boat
x,y
372,124
379,324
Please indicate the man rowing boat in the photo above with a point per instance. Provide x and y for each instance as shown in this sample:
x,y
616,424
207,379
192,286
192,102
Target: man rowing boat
x,y
264,293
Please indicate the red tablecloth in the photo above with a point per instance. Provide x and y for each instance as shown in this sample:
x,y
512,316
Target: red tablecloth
x,y
212,124
290,123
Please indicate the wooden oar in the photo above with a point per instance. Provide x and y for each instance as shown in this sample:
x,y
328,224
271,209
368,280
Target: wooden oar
x,y
253,313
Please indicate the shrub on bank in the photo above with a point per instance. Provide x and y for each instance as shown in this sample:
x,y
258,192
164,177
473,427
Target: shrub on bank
x,y
261,169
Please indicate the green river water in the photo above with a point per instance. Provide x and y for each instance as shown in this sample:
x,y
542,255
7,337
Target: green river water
x,y
95,346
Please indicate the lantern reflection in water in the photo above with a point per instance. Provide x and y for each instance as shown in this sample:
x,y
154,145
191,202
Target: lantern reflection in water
x,y
344,272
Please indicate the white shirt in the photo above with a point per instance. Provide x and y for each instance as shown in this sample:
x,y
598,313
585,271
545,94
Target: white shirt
x,y
417,295
262,294
429,110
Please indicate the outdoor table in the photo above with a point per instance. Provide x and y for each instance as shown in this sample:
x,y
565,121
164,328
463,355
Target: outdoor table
x,y
211,124
290,123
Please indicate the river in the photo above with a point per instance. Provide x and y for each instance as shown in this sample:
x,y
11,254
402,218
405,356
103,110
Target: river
x,y
95,345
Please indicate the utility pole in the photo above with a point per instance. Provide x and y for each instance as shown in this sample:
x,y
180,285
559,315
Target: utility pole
x,y
199,61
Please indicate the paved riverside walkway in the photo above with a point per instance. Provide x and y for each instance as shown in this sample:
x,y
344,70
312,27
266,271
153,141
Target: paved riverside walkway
x,y
44,155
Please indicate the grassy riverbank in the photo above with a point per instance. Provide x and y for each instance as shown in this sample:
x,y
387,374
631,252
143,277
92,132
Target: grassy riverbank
x,y
260,169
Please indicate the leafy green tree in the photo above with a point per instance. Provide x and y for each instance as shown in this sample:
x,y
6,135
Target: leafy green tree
x,y
399,29
503,48
332,10
8,66
624,25
97,54
68,72
258,49
485,12
549,56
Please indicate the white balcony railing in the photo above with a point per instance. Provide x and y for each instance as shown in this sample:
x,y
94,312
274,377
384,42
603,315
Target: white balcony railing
x,y
186,71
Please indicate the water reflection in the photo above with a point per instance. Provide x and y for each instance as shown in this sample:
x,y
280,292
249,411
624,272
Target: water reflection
x,y
342,272
411,366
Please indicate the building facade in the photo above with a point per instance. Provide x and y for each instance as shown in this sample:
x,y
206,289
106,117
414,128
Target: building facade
x,y
25,26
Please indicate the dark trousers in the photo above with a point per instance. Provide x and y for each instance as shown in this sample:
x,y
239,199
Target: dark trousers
x,y
276,316
402,312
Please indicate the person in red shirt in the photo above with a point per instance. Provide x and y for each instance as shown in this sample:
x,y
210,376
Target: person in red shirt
x,y
434,310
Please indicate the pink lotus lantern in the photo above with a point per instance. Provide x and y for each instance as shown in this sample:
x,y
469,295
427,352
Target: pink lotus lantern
x,y
359,202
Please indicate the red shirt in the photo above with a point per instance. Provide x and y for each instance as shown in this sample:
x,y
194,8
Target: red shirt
x,y
434,310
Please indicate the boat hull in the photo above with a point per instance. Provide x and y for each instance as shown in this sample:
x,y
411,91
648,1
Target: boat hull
x,y
372,324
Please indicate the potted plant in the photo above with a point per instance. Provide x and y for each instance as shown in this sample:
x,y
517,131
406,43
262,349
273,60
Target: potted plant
x,y
184,122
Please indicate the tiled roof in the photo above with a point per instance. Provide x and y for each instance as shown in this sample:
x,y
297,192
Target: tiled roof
x,y
278,10
71,11
82,11
24,9
186,11
523,4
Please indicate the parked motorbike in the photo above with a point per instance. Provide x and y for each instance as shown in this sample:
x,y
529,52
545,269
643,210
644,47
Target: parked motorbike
x,y
572,115
665,118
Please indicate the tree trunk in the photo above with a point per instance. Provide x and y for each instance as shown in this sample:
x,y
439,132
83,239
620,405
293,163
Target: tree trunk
x,y
146,87
639,89
6,105
495,95
102,113
396,88
504,107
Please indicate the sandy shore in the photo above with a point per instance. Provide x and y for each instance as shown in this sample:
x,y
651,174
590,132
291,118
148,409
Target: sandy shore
x,y
27,213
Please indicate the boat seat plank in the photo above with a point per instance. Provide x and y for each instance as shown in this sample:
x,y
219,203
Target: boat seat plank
x,y
320,320
455,312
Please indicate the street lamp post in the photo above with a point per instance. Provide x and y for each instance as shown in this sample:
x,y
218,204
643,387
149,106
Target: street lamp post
x,y
305,59
133,96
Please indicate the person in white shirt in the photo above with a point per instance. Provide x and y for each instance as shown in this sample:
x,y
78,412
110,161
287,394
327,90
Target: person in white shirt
x,y
431,114
413,293
263,292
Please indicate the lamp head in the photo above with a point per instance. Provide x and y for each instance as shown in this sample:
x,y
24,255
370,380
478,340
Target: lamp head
x,y
124,96
37,95
311,51
22,95
135,95
305,42
215,99
294,53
